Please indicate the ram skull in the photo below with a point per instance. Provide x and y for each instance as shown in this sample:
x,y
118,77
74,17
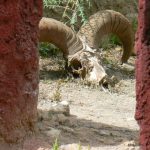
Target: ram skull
x,y
83,60
87,64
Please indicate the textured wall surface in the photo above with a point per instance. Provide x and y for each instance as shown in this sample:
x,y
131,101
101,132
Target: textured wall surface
x,y
18,67
143,74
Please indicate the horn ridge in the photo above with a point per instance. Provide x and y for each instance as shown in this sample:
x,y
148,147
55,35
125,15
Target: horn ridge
x,y
109,21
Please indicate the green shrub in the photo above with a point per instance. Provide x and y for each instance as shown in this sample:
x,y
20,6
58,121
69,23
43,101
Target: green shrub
x,y
134,24
47,50
56,145
115,40
110,41
77,8
72,11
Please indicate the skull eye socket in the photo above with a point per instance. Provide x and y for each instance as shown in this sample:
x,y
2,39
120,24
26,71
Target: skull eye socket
x,y
75,65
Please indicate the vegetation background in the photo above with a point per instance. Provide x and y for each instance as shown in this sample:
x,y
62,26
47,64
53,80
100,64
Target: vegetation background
x,y
74,13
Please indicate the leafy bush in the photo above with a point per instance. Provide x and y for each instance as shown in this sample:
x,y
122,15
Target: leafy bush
x,y
115,40
110,41
134,24
72,11
77,8
55,145
47,49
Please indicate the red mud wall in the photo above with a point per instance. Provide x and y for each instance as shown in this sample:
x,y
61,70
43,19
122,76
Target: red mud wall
x,y
143,73
18,67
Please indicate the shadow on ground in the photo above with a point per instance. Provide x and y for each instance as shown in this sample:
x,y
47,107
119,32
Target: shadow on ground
x,y
74,130
53,74
86,132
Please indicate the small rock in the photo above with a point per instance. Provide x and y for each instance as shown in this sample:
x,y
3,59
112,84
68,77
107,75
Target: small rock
x,y
128,67
47,110
62,119
105,132
44,115
65,103
61,108
67,129
114,79
131,148
130,143
69,147
118,48
55,133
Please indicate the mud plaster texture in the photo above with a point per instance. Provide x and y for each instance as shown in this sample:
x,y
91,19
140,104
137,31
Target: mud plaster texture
x,y
143,73
18,68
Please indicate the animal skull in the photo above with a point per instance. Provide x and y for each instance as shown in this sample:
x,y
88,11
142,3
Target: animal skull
x,y
87,64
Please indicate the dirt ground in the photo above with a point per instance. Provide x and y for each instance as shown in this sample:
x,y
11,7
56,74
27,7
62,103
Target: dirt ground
x,y
91,117
99,119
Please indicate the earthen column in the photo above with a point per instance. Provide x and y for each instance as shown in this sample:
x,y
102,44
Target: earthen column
x,y
143,73
18,67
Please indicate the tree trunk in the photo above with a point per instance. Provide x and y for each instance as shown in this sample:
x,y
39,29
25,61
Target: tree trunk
x,y
18,67
143,74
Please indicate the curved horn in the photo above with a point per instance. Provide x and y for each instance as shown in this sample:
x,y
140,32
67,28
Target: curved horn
x,y
60,35
105,22
82,59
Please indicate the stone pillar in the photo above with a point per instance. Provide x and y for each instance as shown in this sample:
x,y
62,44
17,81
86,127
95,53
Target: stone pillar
x,y
143,73
18,67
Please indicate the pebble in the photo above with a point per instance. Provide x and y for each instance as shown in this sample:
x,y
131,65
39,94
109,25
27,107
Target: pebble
x,y
47,110
55,133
